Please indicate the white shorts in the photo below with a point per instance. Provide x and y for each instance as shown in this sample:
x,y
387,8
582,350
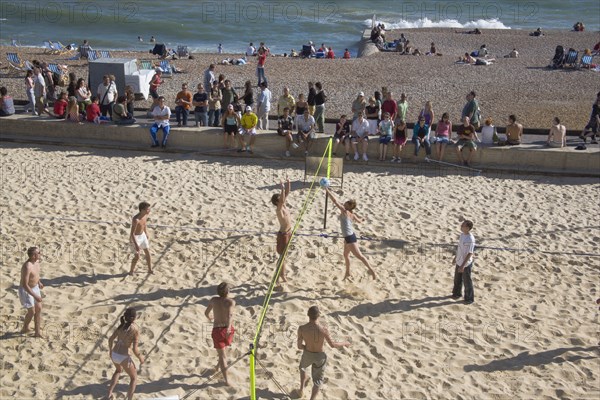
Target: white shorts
x,y
251,131
142,242
27,300
373,126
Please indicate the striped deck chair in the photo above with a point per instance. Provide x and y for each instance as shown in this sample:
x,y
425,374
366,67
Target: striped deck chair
x,y
146,64
571,58
165,65
15,65
63,50
92,55
104,54
54,68
49,47
586,61
182,51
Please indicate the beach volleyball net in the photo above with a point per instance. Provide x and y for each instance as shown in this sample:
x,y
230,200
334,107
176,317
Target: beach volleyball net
x,y
325,163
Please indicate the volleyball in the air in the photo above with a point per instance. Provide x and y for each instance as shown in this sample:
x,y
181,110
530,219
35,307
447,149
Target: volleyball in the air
x,y
324,182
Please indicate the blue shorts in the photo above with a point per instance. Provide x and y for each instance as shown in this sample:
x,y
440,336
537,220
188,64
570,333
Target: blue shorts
x,y
350,239
385,139
442,139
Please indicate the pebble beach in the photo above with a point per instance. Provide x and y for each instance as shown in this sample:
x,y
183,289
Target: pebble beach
x,y
522,86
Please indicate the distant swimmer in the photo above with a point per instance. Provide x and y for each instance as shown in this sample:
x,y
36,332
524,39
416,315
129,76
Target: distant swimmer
x,y
140,39
152,39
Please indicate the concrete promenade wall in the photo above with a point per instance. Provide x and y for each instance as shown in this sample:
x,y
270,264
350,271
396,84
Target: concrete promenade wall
x,y
524,158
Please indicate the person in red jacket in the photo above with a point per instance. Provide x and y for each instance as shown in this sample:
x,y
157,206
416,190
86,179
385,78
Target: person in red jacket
x,y
93,110
330,54
60,106
346,54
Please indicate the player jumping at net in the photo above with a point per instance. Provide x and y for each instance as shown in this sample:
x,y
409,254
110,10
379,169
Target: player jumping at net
x,y
285,224
347,216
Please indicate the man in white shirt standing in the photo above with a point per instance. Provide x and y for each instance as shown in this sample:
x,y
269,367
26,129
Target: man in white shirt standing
x,y
209,77
463,262
161,114
360,136
107,93
263,107
39,91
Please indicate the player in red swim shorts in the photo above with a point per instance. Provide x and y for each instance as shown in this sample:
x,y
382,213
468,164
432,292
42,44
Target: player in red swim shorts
x,y
222,333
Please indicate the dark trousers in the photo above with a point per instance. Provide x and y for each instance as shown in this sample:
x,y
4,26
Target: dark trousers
x,y
461,278
181,113
106,109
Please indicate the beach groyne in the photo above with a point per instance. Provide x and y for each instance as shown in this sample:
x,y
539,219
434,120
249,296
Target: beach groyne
x,y
366,47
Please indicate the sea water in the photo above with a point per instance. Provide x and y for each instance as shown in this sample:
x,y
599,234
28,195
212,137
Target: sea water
x,y
282,25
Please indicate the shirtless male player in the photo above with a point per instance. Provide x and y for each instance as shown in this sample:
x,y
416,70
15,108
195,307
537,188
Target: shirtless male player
x,y
222,332
311,338
29,291
285,223
139,236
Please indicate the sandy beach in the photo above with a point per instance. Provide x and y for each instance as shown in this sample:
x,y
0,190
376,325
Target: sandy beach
x,y
532,332
520,86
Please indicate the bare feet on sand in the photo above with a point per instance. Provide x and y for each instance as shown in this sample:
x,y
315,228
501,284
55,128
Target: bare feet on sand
x,y
372,273
304,385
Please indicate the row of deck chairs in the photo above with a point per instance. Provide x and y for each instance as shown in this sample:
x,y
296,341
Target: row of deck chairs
x,y
58,48
165,65
17,66
569,59
96,54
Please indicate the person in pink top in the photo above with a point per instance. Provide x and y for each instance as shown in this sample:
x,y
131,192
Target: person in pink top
x,y
443,132
263,52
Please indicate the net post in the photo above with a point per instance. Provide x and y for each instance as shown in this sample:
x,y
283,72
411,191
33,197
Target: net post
x,y
252,373
328,150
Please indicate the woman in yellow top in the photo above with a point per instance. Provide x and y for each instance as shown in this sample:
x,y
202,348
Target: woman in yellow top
x,y
248,122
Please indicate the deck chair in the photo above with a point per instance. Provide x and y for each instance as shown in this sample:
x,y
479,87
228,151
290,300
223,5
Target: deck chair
x,y
306,51
165,65
558,59
64,50
586,61
49,47
92,55
104,54
146,64
54,68
15,65
571,58
182,51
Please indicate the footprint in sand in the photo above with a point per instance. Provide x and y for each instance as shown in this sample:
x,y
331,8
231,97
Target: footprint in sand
x,y
520,195
405,215
165,316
